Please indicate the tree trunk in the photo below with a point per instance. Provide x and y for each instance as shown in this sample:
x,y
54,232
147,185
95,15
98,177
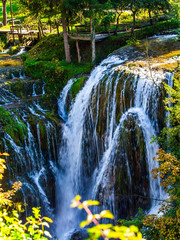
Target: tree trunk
x,y
4,12
12,20
93,45
134,22
66,42
78,51
150,17
117,24
57,27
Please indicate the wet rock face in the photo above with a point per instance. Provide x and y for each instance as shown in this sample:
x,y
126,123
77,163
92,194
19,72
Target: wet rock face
x,y
79,235
131,172
30,135
122,100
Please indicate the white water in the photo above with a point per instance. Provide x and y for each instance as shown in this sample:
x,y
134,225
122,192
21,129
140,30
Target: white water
x,y
62,100
22,50
143,106
69,180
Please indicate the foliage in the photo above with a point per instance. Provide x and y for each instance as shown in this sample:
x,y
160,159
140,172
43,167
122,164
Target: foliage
x,y
13,50
55,73
170,136
11,126
106,231
2,45
133,42
136,220
166,225
11,227
77,85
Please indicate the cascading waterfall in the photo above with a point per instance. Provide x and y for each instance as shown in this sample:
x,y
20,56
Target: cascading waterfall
x,y
114,103
102,141
31,164
71,147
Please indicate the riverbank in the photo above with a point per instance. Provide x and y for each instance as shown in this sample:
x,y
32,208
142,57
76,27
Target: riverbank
x,y
46,59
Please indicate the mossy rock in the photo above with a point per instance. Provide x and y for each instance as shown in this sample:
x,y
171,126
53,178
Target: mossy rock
x,y
9,125
13,50
77,86
43,135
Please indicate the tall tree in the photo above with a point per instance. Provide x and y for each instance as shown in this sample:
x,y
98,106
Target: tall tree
x,y
4,2
155,5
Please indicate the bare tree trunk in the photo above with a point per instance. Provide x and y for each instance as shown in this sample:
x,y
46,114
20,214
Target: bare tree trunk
x,y
78,51
134,22
57,27
66,42
150,17
93,44
12,20
4,12
40,32
117,24
41,27
134,19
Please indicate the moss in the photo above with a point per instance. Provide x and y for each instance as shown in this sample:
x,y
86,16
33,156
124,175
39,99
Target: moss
x,y
77,86
10,62
53,116
13,50
43,135
8,124
17,88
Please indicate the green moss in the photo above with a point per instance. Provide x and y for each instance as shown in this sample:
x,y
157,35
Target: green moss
x,y
17,88
13,50
11,126
55,73
53,116
43,134
77,86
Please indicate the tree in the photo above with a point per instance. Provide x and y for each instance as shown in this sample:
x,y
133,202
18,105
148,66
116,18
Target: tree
x,y
166,226
134,6
120,6
155,5
4,2
49,8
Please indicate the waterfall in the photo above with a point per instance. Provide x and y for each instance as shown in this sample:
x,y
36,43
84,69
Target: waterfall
x,y
31,139
116,109
70,149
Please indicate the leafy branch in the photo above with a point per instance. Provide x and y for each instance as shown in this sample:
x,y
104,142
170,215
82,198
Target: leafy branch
x,y
106,231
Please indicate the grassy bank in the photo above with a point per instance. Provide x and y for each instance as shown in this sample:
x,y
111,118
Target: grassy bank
x,y
46,59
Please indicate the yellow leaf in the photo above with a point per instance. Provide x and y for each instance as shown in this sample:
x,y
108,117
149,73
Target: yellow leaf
x,y
48,219
106,214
